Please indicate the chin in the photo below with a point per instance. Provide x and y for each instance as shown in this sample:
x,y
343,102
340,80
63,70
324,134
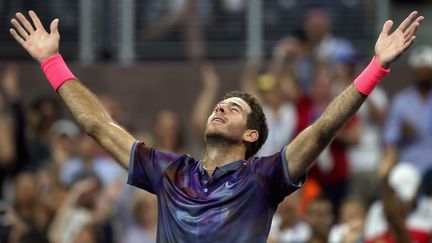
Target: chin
x,y
217,137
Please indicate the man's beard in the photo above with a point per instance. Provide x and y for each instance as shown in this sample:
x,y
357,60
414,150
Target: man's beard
x,y
219,139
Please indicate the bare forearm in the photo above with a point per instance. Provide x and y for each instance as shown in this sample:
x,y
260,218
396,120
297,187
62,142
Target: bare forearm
x,y
85,107
338,113
96,121
304,150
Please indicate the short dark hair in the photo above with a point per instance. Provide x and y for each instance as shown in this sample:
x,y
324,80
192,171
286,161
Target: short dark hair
x,y
256,120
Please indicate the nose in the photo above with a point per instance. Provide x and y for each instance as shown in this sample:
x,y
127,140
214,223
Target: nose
x,y
220,108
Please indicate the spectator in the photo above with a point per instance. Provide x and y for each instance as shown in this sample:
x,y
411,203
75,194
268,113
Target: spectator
x,y
287,225
7,144
312,44
27,205
12,92
319,218
297,54
168,132
397,217
8,151
351,222
407,133
280,113
317,29
81,214
88,160
64,135
189,15
144,210
43,112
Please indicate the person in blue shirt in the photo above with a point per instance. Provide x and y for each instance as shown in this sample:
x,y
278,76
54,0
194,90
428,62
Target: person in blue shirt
x,y
229,195
408,129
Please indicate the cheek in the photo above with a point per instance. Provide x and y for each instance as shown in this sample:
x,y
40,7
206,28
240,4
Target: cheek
x,y
239,125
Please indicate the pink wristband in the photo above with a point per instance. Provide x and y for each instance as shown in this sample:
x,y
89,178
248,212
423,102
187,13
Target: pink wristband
x,y
370,77
56,71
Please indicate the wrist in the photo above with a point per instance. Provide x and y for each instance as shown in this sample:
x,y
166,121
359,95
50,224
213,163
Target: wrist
x,y
382,63
370,77
56,71
46,57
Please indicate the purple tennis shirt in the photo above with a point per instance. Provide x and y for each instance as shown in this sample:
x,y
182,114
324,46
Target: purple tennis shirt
x,y
235,204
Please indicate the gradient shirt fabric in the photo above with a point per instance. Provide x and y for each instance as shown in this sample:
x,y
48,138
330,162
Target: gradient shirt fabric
x,y
235,204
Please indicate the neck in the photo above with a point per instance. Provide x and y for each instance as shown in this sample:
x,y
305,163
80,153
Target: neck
x,y
219,154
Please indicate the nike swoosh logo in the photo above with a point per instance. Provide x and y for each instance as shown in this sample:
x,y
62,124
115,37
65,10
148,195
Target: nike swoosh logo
x,y
230,185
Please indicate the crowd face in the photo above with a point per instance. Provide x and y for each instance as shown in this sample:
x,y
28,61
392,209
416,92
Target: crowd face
x,y
25,190
320,216
87,148
423,77
167,129
352,210
322,85
316,25
272,97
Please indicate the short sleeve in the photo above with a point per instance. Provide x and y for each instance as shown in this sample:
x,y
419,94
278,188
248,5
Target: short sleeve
x,y
147,165
272,174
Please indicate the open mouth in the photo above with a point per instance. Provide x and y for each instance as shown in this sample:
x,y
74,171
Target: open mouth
x,y
218,120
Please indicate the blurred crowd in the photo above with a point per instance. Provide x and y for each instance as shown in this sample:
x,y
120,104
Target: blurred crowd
x,y
373,183
165,29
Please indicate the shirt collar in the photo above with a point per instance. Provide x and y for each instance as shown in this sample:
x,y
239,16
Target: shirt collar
x,y
230,167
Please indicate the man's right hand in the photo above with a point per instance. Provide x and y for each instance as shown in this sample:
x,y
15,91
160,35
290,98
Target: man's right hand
x,y
38,42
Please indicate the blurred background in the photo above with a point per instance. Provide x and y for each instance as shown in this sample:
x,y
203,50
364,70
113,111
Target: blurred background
x,y
159,66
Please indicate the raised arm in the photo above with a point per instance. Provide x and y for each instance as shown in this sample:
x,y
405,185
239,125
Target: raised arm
x,y
84,105
304,149
206,98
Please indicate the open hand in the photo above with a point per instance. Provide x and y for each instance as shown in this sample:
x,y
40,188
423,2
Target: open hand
x,y
390,46
38,42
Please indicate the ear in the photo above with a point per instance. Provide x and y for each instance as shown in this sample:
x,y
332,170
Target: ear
x,y
250,136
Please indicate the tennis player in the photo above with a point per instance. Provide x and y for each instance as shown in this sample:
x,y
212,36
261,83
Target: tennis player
x,y
229,195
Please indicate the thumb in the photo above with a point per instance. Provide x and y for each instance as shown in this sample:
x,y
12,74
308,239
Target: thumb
x,y
54,26
387,27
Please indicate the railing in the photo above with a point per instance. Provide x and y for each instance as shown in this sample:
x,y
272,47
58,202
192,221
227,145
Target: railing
x,y
129,30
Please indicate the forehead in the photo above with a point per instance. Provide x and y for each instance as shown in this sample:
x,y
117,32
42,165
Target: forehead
x,y
238,101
